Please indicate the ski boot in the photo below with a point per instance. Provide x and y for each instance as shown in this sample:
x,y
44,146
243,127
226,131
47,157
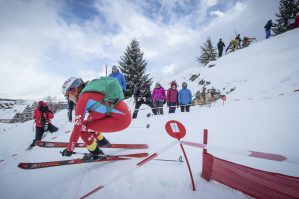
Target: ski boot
x,y
97,154
33,144
103,142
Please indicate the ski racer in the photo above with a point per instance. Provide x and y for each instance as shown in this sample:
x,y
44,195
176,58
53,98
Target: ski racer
x,y
103,115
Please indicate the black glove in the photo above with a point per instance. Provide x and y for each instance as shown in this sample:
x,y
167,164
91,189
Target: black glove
x,y
164,102
65,152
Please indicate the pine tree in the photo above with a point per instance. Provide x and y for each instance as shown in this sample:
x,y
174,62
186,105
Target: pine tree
x,y
133,66
287,10
208,52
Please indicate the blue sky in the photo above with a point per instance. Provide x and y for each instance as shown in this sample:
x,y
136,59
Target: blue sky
x,y
42,43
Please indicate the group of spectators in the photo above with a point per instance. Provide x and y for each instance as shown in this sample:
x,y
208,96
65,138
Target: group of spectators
x,y
173,97
235,44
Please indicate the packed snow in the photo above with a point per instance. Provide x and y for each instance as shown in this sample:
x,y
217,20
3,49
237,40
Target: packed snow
x,y
260,114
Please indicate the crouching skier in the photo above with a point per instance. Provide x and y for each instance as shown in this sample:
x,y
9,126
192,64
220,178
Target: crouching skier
x,y
42,115
102,100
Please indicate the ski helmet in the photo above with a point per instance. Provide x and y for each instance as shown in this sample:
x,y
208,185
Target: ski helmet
x,y
72,82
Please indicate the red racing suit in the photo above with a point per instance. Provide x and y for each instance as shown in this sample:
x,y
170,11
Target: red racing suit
x,y
88,122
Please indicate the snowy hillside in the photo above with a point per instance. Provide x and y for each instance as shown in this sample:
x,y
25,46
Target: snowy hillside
x,y
261,114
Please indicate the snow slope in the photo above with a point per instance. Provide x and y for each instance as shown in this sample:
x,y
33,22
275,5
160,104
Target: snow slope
x,y
255,116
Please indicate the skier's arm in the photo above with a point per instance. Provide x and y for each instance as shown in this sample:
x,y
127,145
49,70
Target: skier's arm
x,y
50,114
36,114
79,118
164,94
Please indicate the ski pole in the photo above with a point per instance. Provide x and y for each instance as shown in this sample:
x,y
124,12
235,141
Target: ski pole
x,y
168,160
135,127
107,156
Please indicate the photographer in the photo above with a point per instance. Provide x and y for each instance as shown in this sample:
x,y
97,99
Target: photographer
x,y
142,95
42,116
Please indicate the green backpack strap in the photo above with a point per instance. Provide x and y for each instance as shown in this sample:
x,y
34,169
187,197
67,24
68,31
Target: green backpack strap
x,y
108,108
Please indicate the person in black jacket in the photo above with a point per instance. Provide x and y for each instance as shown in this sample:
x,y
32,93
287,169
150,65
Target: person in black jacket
x,y
142,95
268,27
220,47
238,38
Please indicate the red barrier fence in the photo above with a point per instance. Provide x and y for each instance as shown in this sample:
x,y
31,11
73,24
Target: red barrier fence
x,y
253,182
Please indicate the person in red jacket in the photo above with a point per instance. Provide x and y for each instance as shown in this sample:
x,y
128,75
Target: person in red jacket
x,y
172,97
42,115
89,128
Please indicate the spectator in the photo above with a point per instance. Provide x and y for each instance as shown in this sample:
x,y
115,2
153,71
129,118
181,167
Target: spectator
x,y
220,47
159,98
70,106
185,98
42,115
199,99
238,39
119,76
142,95
172,97
233,45
268,27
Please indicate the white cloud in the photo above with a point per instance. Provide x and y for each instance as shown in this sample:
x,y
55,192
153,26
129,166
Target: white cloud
x,y
38,50
169,69
217,13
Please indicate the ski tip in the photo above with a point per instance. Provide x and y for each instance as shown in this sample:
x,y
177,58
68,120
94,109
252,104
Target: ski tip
x,y
22,165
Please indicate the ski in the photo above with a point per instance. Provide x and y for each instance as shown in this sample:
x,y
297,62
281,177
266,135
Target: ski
x,y
64,144
106,158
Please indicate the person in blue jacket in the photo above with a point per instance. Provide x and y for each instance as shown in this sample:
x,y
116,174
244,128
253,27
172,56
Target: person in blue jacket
x,y
119,76
185,98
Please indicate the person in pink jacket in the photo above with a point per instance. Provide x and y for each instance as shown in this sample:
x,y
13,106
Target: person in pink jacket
x,y
159,98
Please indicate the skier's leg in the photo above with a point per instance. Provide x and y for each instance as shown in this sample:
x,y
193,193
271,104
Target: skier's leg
x,y
187,108
39,131
156,103
150,104
52,128
173,106
137,106
161,107
91,144
101,140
